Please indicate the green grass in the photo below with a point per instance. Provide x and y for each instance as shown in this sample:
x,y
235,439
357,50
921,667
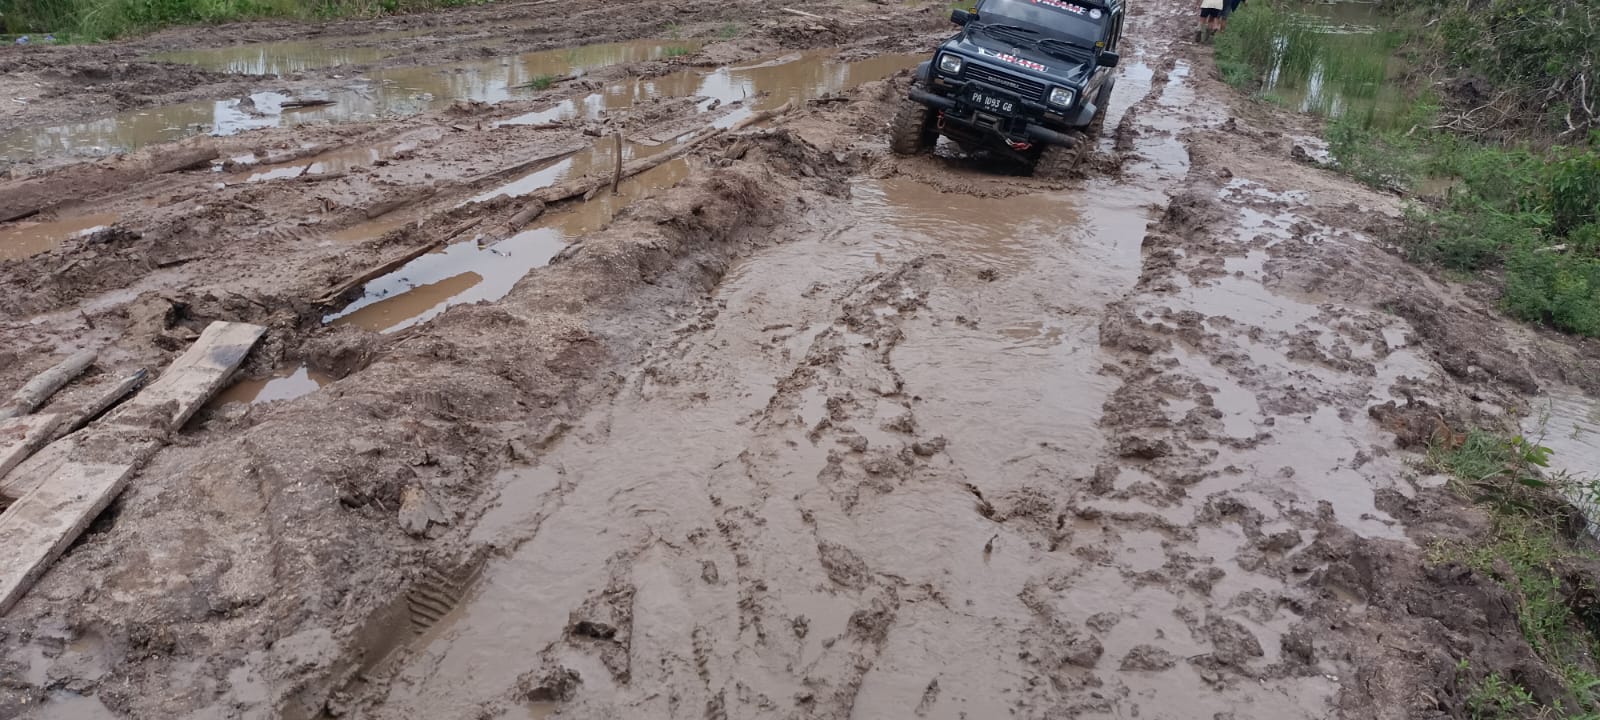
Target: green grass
x,y
676,51
539,82
1280,55
728,32
89,20
1525,551
1524,217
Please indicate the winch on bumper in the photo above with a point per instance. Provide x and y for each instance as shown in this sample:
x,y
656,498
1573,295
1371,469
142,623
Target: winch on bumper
x,y
985,112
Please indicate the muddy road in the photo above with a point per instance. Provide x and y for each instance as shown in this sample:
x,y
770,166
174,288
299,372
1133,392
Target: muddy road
x,y
785,427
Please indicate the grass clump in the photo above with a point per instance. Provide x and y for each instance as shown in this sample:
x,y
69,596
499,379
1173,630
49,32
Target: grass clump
x,y
1535,553
728,32
676,51
539,82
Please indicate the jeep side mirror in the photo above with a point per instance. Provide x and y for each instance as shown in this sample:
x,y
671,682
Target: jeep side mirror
x,y
1109,59
961,17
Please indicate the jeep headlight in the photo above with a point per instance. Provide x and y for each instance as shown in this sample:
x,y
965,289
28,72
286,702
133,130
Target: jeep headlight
x,y
950,64
1061,97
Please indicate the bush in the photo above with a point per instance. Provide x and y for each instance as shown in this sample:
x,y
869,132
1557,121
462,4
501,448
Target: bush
x,y
1554,288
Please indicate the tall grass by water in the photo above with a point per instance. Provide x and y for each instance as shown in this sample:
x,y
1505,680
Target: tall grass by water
x,y
102,19
1292,60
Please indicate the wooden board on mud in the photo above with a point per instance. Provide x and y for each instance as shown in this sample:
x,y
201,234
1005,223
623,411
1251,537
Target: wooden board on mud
x,y
23,436
86,470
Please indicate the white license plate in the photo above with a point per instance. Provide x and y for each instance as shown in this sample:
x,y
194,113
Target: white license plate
x,y
985,101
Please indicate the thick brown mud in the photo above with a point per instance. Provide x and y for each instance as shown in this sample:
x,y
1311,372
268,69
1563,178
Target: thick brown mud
x,y
785,427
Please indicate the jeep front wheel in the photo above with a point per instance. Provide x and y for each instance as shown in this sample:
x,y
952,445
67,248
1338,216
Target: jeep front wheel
x,y
912,130
1059,161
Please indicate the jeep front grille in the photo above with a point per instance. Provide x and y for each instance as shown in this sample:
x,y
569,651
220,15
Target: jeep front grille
x,y
1028,89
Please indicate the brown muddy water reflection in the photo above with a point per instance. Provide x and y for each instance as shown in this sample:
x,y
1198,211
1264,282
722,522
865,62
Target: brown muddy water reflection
x,y
465,272
392,92
27,238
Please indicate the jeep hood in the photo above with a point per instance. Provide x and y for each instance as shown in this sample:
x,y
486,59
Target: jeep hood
x,y
978,44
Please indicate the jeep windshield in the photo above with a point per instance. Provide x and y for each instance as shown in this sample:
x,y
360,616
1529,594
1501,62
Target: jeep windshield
x,y
1079,24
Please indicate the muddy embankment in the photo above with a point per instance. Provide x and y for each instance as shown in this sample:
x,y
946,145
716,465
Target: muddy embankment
x,y
788,427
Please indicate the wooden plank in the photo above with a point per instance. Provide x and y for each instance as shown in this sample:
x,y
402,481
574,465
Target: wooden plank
x,y
191,380
113,394
45,384
68,484
37,469
23,436
40,526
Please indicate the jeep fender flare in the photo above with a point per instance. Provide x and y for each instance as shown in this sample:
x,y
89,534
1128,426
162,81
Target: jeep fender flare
x,y
923,73
1085,115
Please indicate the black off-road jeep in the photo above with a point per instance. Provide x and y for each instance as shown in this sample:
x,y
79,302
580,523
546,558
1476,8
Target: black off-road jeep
x,y
1024,79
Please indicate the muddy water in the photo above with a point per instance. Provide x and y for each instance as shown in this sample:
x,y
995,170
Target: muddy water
x,y
961,365
26,238
942,320
282,386
282,58
381,94
466,272
757,87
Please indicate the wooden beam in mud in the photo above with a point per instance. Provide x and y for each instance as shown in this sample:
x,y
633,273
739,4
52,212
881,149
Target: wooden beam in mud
x,y
111,395
45,384
23,436
68,484
25,198
189,381
40,526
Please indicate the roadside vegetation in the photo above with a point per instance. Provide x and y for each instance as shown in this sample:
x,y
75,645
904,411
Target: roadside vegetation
x,y
1539,550
1486,113
89,20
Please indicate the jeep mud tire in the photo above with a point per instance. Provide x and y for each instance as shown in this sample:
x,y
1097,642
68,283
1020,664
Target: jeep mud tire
x,y
1058,162
912,131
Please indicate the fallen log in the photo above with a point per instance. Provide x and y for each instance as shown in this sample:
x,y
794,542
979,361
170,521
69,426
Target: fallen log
x,y
506,172
45,384
339,291
309,103
21,437
804,14
26,198
183,158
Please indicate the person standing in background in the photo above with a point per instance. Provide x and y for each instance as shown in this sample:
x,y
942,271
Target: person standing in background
x,y
1210,19
1228,8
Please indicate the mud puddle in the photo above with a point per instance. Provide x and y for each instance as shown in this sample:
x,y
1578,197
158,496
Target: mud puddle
x,y
25,239
290,56
282,386
386,93
972,287
466,272
760,86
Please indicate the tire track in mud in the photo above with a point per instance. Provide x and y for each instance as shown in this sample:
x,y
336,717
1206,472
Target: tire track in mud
x,y
861,516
